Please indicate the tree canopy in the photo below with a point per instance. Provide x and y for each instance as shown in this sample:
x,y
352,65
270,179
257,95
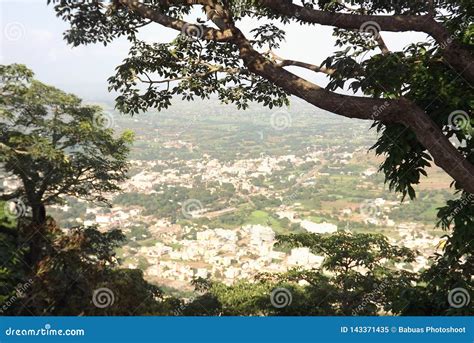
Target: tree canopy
x,y
419,97
54,144
356,277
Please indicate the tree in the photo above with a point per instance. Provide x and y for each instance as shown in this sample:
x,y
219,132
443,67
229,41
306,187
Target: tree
x,y
78,274
56,146
357,277
219,58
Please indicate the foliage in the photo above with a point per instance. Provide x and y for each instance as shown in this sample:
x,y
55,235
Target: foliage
x,y
54,144
451,270
72,268
355,278
190,67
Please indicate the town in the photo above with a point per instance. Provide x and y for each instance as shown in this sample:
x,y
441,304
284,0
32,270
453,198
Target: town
x,y
190,212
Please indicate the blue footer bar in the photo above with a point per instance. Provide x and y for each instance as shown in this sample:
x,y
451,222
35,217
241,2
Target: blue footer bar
x,y
237,329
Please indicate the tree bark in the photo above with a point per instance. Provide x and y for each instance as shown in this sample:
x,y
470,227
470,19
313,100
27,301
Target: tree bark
x,y
39,213
35,233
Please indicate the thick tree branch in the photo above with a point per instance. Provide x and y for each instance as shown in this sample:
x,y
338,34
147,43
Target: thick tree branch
x,y
399,111
173,23
458,57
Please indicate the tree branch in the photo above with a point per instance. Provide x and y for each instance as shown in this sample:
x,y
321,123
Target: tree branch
x,y
458,57
400,111
5,147
173,23
5,197
212,69
286,63
382,46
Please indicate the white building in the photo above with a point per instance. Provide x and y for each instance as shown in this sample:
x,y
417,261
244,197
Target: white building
x,y
318,228
303,257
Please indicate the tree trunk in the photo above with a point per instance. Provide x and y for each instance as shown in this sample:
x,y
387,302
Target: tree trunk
x,y
39,213
35,233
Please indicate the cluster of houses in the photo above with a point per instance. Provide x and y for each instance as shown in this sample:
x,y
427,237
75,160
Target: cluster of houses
x,y
226,254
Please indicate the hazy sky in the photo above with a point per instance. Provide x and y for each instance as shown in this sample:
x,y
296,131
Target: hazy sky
x,y
32,35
